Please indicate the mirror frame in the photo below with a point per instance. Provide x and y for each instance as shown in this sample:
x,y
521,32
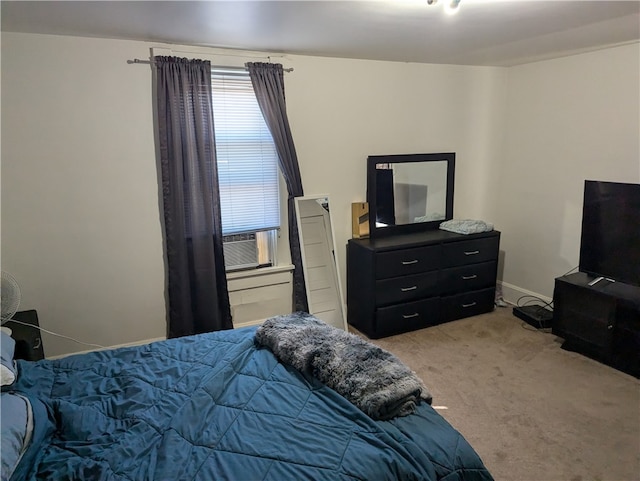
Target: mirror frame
x,y
297,200
372,160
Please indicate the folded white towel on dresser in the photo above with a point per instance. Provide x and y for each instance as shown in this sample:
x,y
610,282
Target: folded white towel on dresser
x,y
466,226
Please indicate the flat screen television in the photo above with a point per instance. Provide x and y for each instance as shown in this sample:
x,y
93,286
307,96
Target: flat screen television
x,y
610,241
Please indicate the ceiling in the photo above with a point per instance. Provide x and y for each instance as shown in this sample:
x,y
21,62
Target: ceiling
x,y
481,32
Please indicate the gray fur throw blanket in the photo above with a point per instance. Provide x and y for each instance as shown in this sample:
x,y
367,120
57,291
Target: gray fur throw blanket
x,y
373,379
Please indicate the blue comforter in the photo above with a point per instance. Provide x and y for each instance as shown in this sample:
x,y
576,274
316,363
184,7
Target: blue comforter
x,y
218,407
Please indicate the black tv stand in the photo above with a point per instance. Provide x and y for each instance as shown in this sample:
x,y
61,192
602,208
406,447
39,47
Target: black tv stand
x,y
599,319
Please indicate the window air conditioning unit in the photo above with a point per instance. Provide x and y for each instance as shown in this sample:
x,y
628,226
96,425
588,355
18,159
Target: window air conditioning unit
x,y
240,251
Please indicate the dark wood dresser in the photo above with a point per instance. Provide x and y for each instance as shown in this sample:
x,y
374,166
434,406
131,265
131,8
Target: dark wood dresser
x,y
601,320
405,282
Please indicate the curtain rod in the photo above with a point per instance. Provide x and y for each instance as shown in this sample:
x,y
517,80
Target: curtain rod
x,y
149,62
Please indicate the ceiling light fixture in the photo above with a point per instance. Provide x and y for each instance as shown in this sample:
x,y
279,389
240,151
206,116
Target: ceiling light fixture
x,y
450,7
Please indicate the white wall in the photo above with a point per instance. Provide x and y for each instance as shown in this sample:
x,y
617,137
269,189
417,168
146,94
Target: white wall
x,y
343,110
567,120
81,225
80,218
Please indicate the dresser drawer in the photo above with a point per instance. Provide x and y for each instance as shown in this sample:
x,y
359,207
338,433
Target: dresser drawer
x,y
402,262
468,304
471,251
406,288
396,283
468,278
407,317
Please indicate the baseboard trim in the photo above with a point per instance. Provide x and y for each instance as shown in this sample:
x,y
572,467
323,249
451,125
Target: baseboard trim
x,y
248,323
511,293
143,341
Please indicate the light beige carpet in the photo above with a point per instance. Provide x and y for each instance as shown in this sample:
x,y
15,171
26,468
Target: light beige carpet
x,y
532,411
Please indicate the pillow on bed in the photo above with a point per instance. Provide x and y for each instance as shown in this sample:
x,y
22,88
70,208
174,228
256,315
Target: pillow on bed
x,y
8,370
17,426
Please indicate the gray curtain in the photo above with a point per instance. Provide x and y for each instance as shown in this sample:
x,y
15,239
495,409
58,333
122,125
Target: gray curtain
x,y
198,299
268,84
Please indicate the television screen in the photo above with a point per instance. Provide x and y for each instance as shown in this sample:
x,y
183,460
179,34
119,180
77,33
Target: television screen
x,y
610,242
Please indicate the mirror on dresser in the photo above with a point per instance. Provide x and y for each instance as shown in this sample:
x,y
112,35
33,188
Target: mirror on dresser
x,y
409,192
409,274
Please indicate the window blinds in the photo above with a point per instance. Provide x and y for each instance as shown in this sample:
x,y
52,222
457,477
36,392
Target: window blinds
x,y
246,156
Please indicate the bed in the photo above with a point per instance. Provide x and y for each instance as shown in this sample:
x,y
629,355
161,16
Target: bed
x,y
216,406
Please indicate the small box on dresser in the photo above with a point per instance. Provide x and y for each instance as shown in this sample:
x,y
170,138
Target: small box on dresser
x,y
405,282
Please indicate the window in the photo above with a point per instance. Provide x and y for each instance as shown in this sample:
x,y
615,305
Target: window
x,y
248,175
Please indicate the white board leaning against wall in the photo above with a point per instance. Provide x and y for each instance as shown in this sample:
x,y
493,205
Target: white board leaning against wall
x,y
319,263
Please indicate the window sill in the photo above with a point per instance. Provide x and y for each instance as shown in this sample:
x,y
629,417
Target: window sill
x,y
259,272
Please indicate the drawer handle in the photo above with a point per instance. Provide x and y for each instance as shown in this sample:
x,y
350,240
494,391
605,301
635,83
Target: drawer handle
x,y
408,263
471,253
469,305
466,278
409,316
405,289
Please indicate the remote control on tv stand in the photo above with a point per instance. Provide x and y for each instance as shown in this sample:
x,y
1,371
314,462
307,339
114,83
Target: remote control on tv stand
x,y
600,278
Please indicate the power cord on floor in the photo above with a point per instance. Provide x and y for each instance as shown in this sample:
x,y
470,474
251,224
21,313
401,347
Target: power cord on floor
x,y
529,327
534,301
531,300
